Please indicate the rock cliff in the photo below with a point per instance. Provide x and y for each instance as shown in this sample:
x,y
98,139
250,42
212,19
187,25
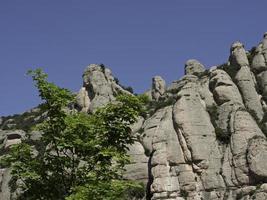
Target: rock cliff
x,y
205,134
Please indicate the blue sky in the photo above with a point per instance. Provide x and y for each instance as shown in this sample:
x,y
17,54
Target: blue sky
x,y
137,39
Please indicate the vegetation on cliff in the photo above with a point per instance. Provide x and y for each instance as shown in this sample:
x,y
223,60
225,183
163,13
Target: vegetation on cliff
x,y
83,156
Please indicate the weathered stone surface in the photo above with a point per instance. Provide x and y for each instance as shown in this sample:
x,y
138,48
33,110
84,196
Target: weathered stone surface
x,y
176,86
234,121
100,86
258,62
150,127
137,169
250,96
161,142
194,67
223,88
238,57
259,196
205,93
192,123
158,87
228,99
5,177
264,187
257,157
244,128
137,125
228,172
245,80
262,82
264,46
259,67
245,191
10,137
83,100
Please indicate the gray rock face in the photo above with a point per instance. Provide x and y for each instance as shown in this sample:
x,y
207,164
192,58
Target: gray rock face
x,y
4,180
238,57
194,67
257,156
83,100
245,80
99,88
258,62
165,157
137,169
223,88
244,128
262,83
10,137
189,115
264,46
259,66
176,86
193,124
158,87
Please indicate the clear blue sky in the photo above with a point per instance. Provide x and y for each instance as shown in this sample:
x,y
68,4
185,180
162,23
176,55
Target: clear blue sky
x,y
137,39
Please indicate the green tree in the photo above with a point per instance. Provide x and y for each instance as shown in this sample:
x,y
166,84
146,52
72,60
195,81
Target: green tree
x,y
83,155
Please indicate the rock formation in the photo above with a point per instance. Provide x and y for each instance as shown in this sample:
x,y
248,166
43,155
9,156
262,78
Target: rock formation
x,y
99,88
158,88
204,139
245,80
194,67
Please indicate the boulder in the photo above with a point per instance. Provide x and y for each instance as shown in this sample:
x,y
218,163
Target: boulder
x,y
158,87
194,67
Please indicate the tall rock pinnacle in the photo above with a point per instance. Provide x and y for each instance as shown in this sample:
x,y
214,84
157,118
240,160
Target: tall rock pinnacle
x,y
99,88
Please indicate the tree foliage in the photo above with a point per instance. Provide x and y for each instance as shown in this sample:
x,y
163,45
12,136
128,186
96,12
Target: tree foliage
x,y
83,155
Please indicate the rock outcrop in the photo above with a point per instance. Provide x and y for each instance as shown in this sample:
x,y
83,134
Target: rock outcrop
x,y
158,88
245,80
99,88
205,137
194,67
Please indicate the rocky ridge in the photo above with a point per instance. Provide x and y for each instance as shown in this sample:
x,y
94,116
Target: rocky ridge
x,y
205,137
